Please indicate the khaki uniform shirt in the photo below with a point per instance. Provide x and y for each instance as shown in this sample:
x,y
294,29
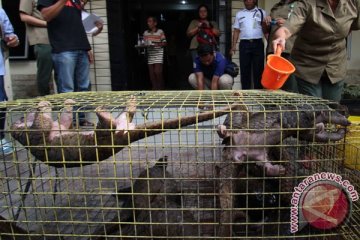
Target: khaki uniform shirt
x,y
35,35
281,10
320,44
193,24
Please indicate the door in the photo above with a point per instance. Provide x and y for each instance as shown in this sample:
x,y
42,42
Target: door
x,y
173,18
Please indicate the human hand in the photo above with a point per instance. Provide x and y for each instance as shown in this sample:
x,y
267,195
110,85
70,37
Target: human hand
x,y
204,24
267,20
280,21
12,41
232,51
279,42
91,56
215,83
100,26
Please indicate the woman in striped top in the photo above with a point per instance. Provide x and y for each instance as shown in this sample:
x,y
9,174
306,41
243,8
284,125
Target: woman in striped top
x,y
156,41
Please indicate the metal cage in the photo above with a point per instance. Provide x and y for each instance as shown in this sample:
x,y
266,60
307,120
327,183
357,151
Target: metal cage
x,y
178,165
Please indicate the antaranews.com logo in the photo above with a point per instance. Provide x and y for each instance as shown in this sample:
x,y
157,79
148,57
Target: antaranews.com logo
x,y
324,200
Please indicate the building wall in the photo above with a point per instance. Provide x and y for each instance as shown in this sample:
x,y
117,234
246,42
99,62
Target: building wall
x,y
353,63
23,73
236,6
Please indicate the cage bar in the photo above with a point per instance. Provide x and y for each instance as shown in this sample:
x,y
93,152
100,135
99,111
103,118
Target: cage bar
x,y
178,180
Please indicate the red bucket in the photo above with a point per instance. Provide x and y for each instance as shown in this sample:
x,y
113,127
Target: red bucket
x,y
277,71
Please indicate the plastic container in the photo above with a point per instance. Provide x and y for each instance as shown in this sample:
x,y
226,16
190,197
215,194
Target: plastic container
x,y
277,71
352,145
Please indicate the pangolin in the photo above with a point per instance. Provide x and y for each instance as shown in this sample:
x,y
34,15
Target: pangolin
x,y
54,143
249,136
153,208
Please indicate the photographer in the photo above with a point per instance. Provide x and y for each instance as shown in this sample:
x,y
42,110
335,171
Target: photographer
x,y
279,14
202,30
248,25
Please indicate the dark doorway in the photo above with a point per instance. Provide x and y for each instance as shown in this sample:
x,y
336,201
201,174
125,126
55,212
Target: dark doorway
x,y
130,66
23,51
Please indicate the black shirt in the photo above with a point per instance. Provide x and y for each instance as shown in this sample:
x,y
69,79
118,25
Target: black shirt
x,y
66,31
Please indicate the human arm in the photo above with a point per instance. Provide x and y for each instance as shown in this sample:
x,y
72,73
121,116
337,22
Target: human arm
x,y
30,20
90,56
215,82
10,37
163,41
199,74
215,29
356,23
193,28
200,80
29,15
264,27
220,63
293,25
52,11
280,21
161,44
280,37
99,26
268,21
235,38
266,24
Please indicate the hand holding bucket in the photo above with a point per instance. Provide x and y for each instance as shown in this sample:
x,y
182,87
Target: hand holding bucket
x,y
277,70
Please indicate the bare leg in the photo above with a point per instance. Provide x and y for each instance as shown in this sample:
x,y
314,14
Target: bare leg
x,y
159,81
152,75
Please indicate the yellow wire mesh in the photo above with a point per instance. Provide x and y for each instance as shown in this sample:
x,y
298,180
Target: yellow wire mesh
x,y
169,183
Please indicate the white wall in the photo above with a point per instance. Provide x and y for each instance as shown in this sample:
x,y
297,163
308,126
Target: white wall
x,y
100,74
236,6
353,62
100,71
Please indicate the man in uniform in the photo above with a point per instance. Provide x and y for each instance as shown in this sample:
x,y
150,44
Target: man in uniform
x,y
279,13
38,37
249,25
319,52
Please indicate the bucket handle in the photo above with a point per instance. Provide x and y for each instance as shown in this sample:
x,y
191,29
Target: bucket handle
x,y
278,50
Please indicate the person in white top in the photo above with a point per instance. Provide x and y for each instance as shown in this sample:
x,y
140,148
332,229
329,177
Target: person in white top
x,y
248,25
156,41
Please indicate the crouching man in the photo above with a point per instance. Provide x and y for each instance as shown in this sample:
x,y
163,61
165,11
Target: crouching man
x,y
209,70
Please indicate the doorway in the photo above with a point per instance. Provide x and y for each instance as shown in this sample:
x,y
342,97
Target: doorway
x,y
173,18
